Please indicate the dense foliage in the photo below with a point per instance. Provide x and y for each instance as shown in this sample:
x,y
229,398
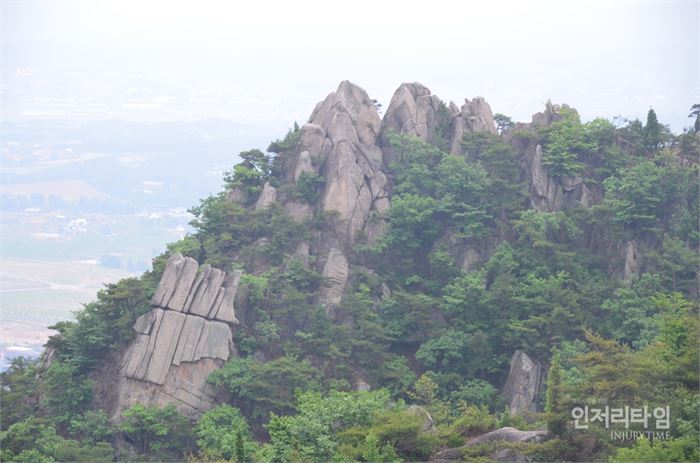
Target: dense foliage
x,y
432,331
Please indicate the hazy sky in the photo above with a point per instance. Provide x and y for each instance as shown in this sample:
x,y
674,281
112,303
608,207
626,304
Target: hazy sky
x,y
271,62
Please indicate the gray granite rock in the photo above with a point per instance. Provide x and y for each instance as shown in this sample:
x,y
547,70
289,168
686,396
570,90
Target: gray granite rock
x,y
267,197
205,291
335,273
225,310
176,282
631,261
412,110
524,382
342,135
174,352
303,165
475,116
502,454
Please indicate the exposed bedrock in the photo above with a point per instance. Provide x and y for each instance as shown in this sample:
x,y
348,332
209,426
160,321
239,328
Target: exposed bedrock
x,y
335,273
340,138
525,380
416,111
185,337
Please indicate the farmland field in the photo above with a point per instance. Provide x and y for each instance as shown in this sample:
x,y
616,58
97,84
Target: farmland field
x,y
36,294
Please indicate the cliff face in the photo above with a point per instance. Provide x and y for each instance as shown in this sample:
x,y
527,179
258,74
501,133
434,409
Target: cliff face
x,y
185,337
188,332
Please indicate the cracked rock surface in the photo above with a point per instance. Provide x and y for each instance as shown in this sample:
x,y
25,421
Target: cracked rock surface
x,y
181,340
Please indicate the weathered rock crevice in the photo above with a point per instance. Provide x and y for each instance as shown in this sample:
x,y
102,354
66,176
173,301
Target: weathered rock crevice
x,y
185,337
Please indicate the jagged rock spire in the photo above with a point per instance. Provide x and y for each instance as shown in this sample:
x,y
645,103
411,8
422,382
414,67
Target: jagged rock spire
x,y
415,110
341,136
475,116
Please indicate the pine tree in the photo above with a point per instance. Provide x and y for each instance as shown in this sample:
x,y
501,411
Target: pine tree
x,y
652,131
556,419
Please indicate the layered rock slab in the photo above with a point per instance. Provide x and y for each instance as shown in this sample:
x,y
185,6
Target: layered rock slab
x,y
181,340
205,291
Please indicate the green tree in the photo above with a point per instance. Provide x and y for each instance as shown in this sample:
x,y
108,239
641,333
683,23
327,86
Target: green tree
x,y
92,426
557,415
695,112
250,174
67,394
564,145
263,387
311,435
18,386
503,123
674,450
222,433
158,432
641,195
654,134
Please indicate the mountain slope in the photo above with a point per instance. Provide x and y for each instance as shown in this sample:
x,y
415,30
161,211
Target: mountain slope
x,y
439,255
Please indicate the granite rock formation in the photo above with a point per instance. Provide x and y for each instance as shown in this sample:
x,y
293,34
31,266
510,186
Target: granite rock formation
x,y
631,261
548,193
412,110
335,272
524,383
185,337
341,134
474,116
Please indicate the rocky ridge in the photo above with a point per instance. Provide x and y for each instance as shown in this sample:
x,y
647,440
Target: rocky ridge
x,y
188,333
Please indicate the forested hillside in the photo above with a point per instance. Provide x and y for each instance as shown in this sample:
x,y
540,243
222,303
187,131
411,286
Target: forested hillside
x,y
390,268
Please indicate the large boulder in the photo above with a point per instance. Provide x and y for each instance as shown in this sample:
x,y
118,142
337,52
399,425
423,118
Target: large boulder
x,y
178,344
427,422
523,384
545,193
549,193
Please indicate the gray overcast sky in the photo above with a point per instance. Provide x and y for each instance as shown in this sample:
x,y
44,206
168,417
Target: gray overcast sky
x,y
270,62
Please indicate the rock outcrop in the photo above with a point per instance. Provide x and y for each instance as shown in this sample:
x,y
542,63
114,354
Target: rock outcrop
x,y
412,110
523,384
427,422
335,273
548,193
267,196
341,134
545,193
474,116
505,454
185,337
